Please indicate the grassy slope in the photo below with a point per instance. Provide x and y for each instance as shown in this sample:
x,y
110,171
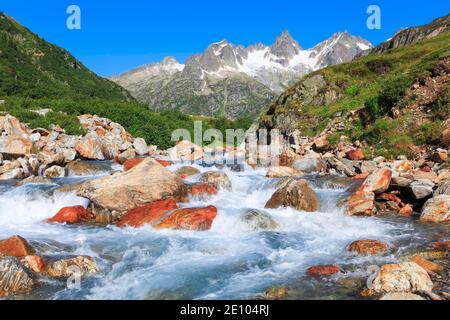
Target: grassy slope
x,y
367,79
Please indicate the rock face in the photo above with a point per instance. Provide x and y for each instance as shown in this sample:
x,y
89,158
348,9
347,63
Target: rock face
x,y
65,268
295,194
149,214
405,277
15,247
259,220
281,172
14,278
117,194
193,219
436,209
218,179
368,247
71,215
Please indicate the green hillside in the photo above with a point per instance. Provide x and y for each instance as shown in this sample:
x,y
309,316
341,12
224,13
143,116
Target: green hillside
x,y
394,100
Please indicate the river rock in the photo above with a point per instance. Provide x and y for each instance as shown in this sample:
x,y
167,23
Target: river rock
x,y
186,151
186,172
193,219
404,277
14,278
149,214
400,182
427,265
12,126
436,209
117,194
421,189
34,263
65,268
218,179
259,220
281,172
443,188
402,296
140,146
361,203
71,215
378,182
129,153
318,271
443,245
356,154
310,165
54,172
295,194
368,247
15,145
90,148
80,168
203,190
277,293
340,167
15,246
34,180
366,167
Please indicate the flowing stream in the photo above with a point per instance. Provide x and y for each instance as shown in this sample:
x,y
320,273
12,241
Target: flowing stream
x,y
230,261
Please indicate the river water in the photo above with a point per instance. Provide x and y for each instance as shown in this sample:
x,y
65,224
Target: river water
x,y
230,261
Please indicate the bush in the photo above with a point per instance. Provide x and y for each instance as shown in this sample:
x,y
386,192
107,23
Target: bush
x,y
394,89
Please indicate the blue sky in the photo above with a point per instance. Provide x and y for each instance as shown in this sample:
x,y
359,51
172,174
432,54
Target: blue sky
x,y
119,35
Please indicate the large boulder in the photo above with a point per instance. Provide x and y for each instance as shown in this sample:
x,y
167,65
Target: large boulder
x,y
421,189
194,219
80,168
361,203
14,278
90,148
12,126
65,268
404,277
436,209
149,214
296,194
218,179
15,246
259,220
115,195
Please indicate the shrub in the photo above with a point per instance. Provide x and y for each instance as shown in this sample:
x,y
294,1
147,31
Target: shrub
x,y
394,89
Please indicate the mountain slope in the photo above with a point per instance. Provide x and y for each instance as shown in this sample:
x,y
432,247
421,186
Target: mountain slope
x,y
231,80
395,100
32,67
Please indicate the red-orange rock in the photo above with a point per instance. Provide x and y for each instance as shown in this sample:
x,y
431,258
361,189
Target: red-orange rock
x,y
164,163
203,189
368,247
356,154
197,219
318,271
361,176
149,214
15,246
406,211
71,215
442,245
378,182
35,264
427,265
131,163
389,197
361,204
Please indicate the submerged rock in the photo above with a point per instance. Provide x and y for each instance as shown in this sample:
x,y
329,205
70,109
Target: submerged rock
x,y
113,196
368,247
277,293
149,214
15,246
14,278
186,172
404,277
259,220
65,268
203,190
71,215
218,179
194,219
436,209
295,194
